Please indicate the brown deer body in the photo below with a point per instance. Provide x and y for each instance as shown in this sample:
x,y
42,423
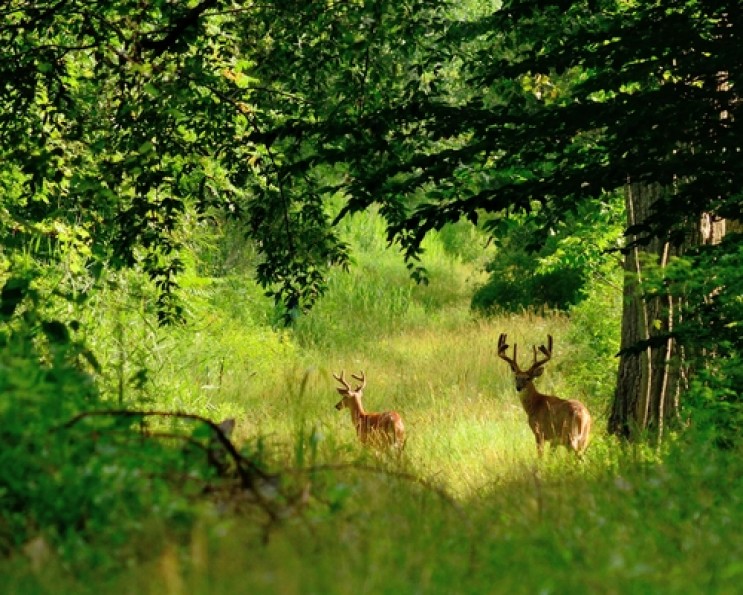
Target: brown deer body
x,y
379,430
565,422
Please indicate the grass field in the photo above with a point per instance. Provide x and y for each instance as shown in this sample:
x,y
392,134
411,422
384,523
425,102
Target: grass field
x,y
468,509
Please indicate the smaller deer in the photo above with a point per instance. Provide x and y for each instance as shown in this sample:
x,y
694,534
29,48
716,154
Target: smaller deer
x,y
552,419
379,430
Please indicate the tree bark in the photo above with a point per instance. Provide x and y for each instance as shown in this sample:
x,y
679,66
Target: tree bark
x,y
651,379
646,393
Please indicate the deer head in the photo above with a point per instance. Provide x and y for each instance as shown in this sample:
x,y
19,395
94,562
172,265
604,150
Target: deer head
x,y
350,395
524,377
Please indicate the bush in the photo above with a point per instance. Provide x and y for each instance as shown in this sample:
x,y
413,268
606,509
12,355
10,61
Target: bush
x,y
557,272
711,284
594,338
66,484
515,285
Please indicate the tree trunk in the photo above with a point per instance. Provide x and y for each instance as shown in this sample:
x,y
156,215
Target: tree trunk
x,y
646,394
650,380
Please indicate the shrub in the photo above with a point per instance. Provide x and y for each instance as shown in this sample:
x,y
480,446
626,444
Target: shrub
x,y
536,267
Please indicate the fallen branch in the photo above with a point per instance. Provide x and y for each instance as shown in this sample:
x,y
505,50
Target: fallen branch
x,y
249,473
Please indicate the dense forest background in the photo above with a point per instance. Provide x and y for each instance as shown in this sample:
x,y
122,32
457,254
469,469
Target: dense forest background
x,y
209,208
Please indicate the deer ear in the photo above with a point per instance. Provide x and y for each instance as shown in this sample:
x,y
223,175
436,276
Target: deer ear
x,y
342,391
538,371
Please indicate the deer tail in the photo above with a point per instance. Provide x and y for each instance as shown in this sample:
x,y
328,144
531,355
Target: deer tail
x,y
582,432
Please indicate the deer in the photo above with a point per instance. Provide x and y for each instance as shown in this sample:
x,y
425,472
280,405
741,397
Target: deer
x,y
565,422
378,430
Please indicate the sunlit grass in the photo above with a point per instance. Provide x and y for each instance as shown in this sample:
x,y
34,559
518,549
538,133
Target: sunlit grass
x,y
464,421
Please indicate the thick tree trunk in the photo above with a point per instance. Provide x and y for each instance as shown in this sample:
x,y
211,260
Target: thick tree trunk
x,y
650,380
646,395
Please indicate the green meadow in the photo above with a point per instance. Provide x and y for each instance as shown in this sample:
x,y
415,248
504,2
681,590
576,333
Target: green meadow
x,y
468,509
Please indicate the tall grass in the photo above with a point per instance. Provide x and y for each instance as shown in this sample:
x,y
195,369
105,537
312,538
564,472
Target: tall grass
x,y
469,509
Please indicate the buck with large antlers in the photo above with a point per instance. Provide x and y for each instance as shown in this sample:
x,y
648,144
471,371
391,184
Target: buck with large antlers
x,y
552,419
379,430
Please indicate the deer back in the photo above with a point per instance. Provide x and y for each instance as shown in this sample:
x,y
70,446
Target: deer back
x,y
559,421
382,429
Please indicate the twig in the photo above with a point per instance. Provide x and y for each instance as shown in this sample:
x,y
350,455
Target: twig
x,y
247,470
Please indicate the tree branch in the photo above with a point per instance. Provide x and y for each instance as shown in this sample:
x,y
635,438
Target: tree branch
x,y
181,26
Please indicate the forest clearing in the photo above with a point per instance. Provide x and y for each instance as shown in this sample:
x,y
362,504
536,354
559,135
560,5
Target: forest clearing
x,y
371,297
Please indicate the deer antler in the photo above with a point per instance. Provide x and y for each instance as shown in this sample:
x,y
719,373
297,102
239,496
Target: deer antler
x,y
502,348
362,380
342,380
547,351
